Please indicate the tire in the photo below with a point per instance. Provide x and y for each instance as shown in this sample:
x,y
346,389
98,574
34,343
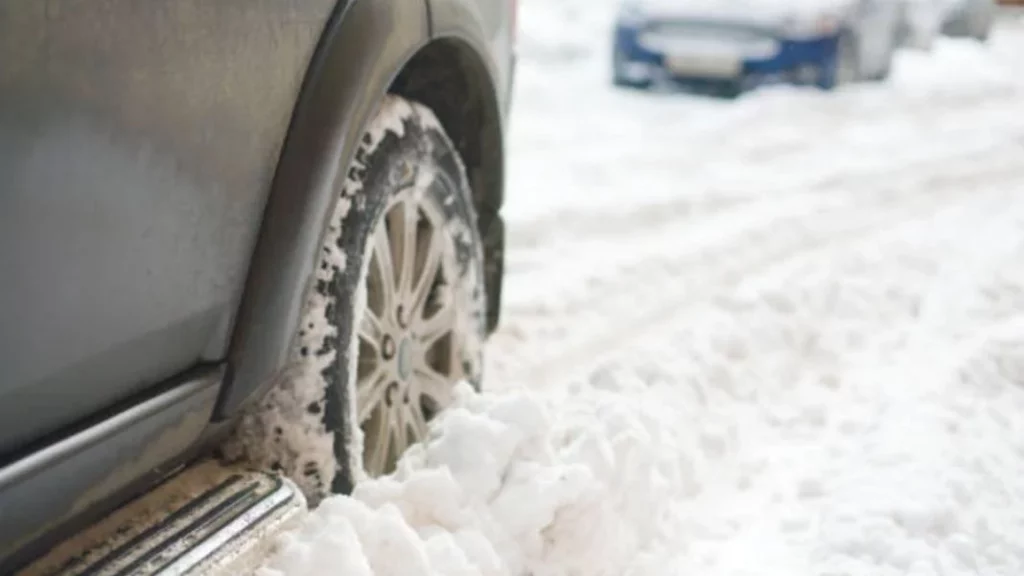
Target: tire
x,y
826,75
731,90
321,424
847,63
619,79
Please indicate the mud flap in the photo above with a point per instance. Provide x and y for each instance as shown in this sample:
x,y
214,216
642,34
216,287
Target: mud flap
x,y
208,520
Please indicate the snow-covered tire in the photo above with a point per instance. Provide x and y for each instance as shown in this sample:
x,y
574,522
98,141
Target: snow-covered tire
x,y
308,427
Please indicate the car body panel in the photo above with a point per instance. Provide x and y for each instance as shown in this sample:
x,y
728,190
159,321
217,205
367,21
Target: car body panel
x,y
137,153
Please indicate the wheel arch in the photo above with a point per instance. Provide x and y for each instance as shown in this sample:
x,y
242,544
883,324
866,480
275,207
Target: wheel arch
x,y
362,49
368,49
449,77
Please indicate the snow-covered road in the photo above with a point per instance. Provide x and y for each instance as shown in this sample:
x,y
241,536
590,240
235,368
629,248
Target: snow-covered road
x,y
783,335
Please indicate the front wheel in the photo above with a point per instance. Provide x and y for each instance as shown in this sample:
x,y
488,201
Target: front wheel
x,y
394,317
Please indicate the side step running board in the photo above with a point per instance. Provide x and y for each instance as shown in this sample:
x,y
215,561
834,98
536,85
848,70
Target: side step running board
x,y
208,519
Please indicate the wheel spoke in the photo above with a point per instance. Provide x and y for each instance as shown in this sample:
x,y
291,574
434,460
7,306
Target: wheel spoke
x,y
417,420
433,385
385,266
431,263
404,220
378,458
440,323
400,432
370,395
411,327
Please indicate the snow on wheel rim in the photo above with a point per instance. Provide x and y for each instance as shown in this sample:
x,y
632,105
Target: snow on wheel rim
x,y
408,337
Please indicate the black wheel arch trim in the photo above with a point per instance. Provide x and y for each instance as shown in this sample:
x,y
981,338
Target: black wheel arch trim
x,y
363,47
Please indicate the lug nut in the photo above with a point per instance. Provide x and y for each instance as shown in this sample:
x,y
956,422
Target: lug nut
x,y
387,347
389,395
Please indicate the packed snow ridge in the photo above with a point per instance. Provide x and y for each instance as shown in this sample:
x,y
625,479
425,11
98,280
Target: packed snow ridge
x,y
507,485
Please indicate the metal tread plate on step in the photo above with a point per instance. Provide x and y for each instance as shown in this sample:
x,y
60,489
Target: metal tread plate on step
x,y
208,519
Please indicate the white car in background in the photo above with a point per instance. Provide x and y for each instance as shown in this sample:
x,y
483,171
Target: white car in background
x,y
970,19
922,21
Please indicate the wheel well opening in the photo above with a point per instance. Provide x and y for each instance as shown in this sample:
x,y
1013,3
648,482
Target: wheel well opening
x,y
449,77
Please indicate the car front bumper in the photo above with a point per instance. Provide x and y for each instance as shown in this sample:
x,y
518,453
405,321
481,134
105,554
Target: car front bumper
x,y
751,56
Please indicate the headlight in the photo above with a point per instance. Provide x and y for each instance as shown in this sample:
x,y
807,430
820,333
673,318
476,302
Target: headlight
x,y
804,27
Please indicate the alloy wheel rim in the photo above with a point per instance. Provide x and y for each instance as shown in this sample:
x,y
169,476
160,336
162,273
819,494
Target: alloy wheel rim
x,y
408,359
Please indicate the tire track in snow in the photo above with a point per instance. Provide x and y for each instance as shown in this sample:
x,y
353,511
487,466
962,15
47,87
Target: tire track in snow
x,y
749,220
531,243
610,313
605,223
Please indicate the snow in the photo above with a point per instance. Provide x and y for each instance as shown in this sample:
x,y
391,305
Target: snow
x,y
783,335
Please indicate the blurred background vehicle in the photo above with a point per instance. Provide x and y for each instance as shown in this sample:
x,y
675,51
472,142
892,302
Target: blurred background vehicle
x,y
919,24
922,21
729,48
969,18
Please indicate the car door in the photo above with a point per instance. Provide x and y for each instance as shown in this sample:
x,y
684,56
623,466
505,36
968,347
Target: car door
x,y
138,139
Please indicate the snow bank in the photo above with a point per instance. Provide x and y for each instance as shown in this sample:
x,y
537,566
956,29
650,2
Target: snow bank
x,y
847,411
510,484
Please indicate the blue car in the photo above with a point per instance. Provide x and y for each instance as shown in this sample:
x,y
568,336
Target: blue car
x,y
728,50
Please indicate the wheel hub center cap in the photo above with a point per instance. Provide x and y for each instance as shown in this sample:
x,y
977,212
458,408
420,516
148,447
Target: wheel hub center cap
x,y
405,358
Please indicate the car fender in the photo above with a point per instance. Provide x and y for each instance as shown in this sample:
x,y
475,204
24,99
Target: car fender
x,y
364,46
485,26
